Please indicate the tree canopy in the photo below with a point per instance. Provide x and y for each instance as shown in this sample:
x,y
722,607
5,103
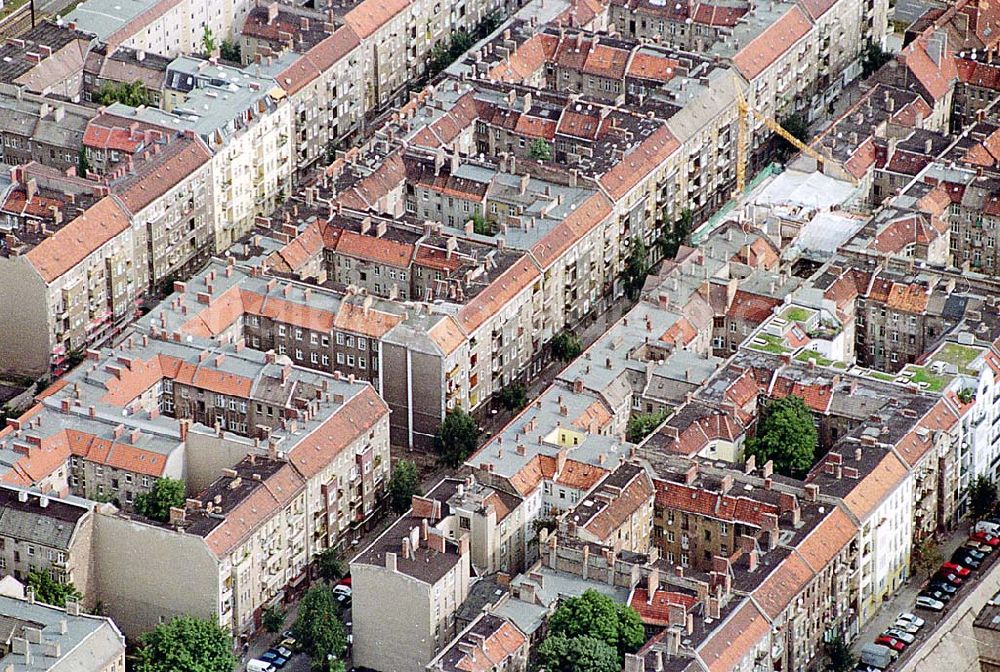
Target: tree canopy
x,y
982,497
457,438
636,268
598,616
208,41
873,58
186,644
156,503
671,240
577,654
514,397
640,425
318,627
926,557
126,93
839,656
785,435
405,483
541,150
328,566
229,50
50,591
273,619
566,346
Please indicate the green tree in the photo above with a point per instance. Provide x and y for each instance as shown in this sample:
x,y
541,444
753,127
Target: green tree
x,y
873,58
489,23
208,41
50,591
456,438
540,150
186,644
640,425
786,435
670,242
982,497
480,225
133,94
926,557
797,125
405,483
318,628
577,654
595,615
273,619
328,566
155,504
839,656
566,346
514,397
82,163
636,268
230,51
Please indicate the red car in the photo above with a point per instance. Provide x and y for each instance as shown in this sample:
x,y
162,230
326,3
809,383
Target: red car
x,y
956,568
984,538
346,581
891,642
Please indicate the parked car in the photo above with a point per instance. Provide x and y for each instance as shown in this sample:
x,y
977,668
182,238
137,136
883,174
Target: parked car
x,y
950,577
910,618
289,643
903,626
956,568
978,546
938,595
966,560
274,658
346,581
943,586
974,553
928,602
891,642
342,592
255,665
906,637
985,538
988,527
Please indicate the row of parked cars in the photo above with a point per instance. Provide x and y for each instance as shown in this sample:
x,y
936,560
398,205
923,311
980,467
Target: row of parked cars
x,y
952,574
940,589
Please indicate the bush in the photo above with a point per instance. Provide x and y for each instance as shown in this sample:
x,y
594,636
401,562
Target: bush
x,y
457,438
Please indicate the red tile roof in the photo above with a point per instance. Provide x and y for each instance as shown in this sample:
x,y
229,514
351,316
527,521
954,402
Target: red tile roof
x,y
370,15
727,507
99,224
656,611
762,51
738,636
639,163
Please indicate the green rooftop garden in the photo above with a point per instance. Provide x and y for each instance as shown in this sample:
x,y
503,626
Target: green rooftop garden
x,y
923,374
768,343
806,355
959,355
879,375
796,314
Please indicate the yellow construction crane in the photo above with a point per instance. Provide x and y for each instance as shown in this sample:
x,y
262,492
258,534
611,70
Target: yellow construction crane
x,y
743,131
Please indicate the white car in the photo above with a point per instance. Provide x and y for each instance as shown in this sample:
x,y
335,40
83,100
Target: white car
x,y
905,627
912,619
905,637
342,593
930,603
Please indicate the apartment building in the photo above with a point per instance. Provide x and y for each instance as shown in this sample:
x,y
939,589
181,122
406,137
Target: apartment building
x,y
72,278
158,26
618,512
235,546
51,638
489,641
429,573
246,124
107,66
42,533
35,128
166,191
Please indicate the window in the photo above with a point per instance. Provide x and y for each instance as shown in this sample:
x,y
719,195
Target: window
x,y
31,551
298,334
298,354
313,357
313,339
340,338
340,358
326,360
220,401
362,343
281,330
464,523
350,360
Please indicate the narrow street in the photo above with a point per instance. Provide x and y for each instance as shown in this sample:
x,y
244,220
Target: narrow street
x,y
904,599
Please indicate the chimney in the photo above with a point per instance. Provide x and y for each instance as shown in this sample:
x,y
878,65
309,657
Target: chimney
x,y
652,584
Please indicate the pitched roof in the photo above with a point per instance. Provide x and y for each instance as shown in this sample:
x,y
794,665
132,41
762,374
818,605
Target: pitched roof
x,y
488,303
656,611
352,420
150,179
637,164
782,585
71,244
740,633
371,15
115,454
866,496
762,51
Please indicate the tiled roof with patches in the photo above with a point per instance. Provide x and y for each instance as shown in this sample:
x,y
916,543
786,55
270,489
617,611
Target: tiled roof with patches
x,y
737,637
728,507
650,155
488,644
655,610
488,302
762,52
